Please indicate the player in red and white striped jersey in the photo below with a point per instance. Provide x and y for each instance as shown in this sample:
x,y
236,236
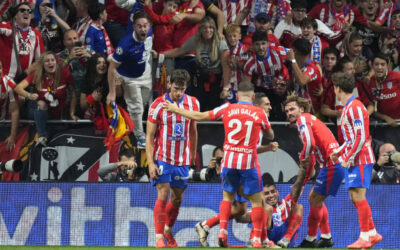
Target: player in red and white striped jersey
x,y
29,42
318,144
242,123
9,106
231,10
171,142
356,156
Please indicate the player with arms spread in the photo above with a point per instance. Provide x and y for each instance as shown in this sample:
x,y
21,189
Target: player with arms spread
x,y
242,123
171,142
356,156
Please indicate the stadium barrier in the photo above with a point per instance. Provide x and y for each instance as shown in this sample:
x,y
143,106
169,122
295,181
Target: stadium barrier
x,y
121,214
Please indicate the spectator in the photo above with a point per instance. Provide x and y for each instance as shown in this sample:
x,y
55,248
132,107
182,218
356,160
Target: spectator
x,y
127,169
215,163
237,57
307,74
308,31
266,70
352,48
385,87
29,42
84,21
96,37
131,62
385,170
66,10
330,56
262,22
212,56
117,20
49,99
8,106
392,39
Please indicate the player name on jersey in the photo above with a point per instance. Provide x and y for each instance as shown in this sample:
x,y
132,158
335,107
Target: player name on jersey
x,y
243,111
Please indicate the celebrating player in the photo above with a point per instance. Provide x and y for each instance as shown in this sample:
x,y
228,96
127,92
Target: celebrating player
x,y
173,150
356,156
242,123
318,142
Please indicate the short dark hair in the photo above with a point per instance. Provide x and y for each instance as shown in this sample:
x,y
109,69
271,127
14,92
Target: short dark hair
x,y
395,12
23,3
216,149
344,81
339,67
95,9
309,21
258,97
268,180
302,46
180,77
300,101
297,4
259,36
140,14
331,50
126,151
246,87
382,56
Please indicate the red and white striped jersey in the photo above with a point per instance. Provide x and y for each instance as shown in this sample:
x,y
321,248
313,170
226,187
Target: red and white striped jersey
x,y
317,140
6,95
231,10
3,6
243,123
335,20
385,15
354,122
29,43
172,142
276,10
281,210
239,52
82,26
307,91
262,71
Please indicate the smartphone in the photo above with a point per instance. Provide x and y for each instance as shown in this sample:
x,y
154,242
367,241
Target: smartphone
x,y
78,44
48,5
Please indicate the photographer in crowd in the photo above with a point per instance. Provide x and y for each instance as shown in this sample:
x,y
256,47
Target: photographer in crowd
x,y
387,166
214,165
127,169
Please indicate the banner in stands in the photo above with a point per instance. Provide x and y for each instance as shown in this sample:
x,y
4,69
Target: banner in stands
x,y
121,214
75,152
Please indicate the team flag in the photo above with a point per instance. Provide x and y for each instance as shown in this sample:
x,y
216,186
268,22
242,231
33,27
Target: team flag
x,y
120,124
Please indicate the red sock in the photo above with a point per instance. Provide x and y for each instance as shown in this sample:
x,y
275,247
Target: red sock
x,y
324,226
258,218
295,221
212,221
160,216
314,219
264,232
371,221
172,214
363,214
224,214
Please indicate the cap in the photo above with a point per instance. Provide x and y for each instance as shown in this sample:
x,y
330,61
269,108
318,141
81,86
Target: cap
x,y
262,17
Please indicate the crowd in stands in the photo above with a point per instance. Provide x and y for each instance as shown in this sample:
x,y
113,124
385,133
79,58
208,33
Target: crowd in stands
x,y
61,59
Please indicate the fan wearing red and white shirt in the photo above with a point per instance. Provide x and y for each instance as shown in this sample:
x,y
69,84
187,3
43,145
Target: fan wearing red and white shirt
x,y
307,73
84,21
318,144
9,106
356,156
29,42
309,28
171,144
385,87
243,123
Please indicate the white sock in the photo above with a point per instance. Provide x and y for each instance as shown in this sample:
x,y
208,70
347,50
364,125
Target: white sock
x,y
256,239
167,229
364,236
310,238
159,236
372,232
326,236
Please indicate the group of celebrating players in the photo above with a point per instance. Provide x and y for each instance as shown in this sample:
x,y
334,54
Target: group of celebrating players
x,y
171,142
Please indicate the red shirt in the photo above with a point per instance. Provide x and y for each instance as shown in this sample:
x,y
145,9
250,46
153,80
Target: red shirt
x,y
385,15
231,10
281,210
116,13
172,142
243,123
30,45
163,30
354,122
307,91
387,94
185,29
59,93
7,95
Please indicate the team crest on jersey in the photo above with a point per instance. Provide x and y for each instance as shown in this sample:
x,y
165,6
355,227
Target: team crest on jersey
x,y
358,123
88,40
302,127
119,51
277,219
178,129
389,84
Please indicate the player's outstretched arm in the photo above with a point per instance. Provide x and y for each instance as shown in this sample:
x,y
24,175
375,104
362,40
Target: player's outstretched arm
x,y
269,134
297,187
194,115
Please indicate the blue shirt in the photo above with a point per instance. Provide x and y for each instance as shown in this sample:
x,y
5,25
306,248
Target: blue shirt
x,y
95,40
133,55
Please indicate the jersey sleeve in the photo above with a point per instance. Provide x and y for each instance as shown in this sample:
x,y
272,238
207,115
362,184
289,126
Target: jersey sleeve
x,y
265,122
307,137
289,200
120,51
218,112
154,111
90,39
158,19
207,4
249,67
383,15
30,77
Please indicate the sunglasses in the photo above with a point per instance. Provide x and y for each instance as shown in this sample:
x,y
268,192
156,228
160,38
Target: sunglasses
x,y
25,10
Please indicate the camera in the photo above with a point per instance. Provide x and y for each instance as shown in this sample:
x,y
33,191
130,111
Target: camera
x,y
137,171
14,166
394,158
48,5
78,44
218,160
205,174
